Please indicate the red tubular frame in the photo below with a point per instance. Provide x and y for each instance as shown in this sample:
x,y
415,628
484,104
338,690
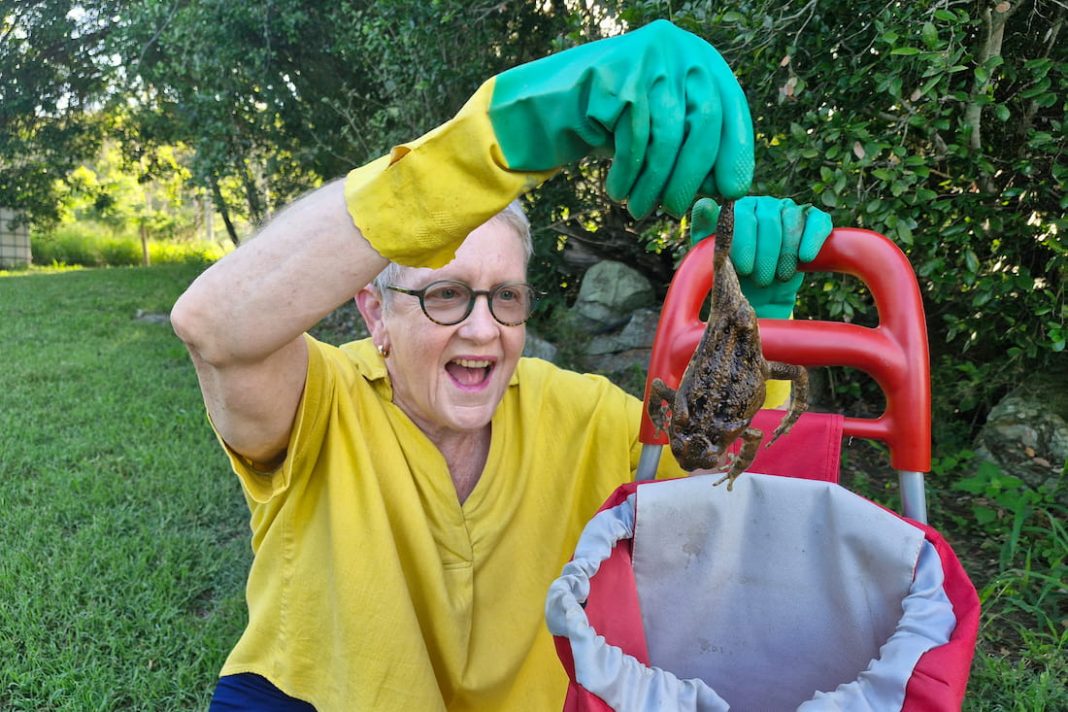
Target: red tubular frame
x,y
894,353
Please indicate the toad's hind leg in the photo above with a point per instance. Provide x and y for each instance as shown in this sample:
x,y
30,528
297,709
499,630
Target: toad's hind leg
x,y
798,395
750,444
661,398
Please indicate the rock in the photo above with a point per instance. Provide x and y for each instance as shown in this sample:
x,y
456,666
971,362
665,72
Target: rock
x,y
577,255
637,333
537,347
340,326
615,363
147,317
610,292
1026,433
624,355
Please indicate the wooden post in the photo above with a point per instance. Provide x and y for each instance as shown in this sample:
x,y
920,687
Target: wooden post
x,y
144,244
145,260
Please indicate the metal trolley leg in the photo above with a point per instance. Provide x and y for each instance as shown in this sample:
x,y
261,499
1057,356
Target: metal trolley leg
x,y
648,461
913,499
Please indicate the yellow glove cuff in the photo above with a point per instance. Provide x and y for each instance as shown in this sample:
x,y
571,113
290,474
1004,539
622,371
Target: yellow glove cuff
x,y
416,205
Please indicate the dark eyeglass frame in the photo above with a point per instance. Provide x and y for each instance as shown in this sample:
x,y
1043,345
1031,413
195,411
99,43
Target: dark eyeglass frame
x,y
475,294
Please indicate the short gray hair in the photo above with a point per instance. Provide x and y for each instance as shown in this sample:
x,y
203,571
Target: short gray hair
x,y
512,216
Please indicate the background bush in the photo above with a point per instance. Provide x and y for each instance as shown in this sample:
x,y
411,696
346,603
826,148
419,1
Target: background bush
x,y
92,245
940,125
117,251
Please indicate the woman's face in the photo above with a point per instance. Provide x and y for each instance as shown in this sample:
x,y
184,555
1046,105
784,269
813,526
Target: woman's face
x,y
449,379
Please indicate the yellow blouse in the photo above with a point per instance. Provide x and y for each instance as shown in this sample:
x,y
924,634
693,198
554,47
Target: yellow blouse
x,y
373,588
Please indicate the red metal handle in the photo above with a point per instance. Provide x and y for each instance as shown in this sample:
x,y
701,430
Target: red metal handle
x,y
894,353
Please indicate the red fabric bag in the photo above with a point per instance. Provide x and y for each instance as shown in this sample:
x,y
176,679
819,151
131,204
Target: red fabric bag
x,y
783,594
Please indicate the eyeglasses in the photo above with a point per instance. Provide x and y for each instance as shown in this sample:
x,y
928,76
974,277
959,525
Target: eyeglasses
x,y
447,303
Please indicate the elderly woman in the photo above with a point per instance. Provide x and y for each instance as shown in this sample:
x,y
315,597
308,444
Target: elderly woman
x,y
412,495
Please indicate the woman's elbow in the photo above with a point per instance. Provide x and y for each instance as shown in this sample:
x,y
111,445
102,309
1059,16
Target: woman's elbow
x,y
192,323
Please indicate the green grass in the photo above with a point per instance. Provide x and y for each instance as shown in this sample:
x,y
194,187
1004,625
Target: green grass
x,y
1016,546
124,536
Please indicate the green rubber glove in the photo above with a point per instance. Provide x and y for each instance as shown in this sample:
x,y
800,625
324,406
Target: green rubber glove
x,y
661,99
771,235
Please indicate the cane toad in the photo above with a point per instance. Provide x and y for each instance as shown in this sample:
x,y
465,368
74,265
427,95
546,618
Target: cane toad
x,y
723,387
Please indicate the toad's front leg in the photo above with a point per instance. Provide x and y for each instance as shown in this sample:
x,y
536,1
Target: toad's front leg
x,y
750,444
798,395
661,400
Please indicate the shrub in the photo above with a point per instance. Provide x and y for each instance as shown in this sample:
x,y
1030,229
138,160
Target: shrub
x,y
118,252
184,252
92,245
69,245
939,125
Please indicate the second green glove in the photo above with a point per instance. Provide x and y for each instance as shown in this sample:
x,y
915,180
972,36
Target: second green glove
x,y
771,235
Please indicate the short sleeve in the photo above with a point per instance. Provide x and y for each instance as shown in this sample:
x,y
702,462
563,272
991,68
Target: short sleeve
x,y
305,439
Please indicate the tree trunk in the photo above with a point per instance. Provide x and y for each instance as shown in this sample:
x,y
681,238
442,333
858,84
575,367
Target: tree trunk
x,y
144,245
994,19
255,207
225,212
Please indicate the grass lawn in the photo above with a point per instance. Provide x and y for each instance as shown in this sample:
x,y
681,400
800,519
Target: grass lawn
x,y
124,536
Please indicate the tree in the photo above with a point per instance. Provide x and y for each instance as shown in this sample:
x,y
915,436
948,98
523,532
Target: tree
x,y
152,198
204,74
281,95
53,76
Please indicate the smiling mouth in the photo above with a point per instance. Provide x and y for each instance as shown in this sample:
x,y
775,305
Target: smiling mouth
x,y
469,373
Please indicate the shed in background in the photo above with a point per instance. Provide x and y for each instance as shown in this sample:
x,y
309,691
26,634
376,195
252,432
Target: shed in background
x,y
14,240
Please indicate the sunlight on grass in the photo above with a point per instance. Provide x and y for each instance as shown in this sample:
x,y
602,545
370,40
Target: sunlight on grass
x,y
54,268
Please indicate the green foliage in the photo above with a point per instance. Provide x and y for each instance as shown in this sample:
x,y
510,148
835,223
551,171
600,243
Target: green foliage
x,y
278,96
939,126
94,245
152,194
211,75
120,252
192,253
68,246
1029,515
52,73
1013,542
1032,682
